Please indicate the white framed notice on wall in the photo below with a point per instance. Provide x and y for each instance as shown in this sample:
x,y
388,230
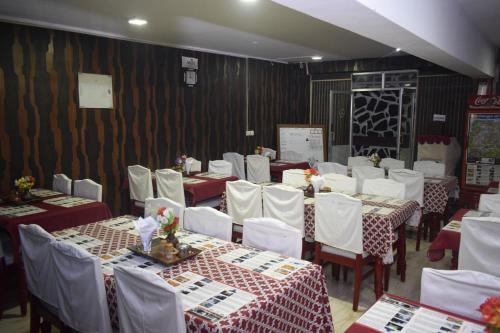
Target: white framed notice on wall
x,y
300,143
95,91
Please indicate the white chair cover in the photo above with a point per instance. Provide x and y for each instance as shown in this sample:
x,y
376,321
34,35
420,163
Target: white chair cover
x,y
81,295
284,203
208,221
353,161
258,169
366,172
460,292
294,177
489,203
244,200
384,187
140,183
37,259
330,167
238,162
61,183
430,168
414,182
392,163
169,185
220,167
479,245
195,164
268,152
272,235
340,183
87,188
152,204
146,303
339,221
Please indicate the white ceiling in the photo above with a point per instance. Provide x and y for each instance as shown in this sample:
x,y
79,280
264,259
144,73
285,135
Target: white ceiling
x,y
486,16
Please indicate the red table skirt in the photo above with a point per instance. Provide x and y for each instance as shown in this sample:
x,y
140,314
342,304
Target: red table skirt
x,y
446,239
277,170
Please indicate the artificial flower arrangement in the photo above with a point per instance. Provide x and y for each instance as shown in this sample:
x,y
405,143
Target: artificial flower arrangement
x,y
308,173
180,163
375,159
169,223
490,310
25,183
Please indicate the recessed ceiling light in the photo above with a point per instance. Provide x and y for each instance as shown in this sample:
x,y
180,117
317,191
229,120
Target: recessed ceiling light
x,y
137,21
316,58
248,0
398,49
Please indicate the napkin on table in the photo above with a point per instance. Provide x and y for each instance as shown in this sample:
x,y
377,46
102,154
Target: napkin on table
x,y
146,229
317,182
187,164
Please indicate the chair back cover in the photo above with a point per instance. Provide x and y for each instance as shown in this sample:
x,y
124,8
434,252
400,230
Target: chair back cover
x,y
392,163
330,167
37,259
61,183
414,181
169,185
353,161
258,169
284,203
146,303
140,183
244,200
238,162
87,188
339,221
479,245
430,168
268,152
457,291
489,203
81,295
152,204
208,221
366,172
340,183
384,187
195,164
220,167
270,234
294,177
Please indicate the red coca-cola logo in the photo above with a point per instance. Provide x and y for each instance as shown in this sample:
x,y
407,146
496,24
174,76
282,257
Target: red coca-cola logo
x,y
485,101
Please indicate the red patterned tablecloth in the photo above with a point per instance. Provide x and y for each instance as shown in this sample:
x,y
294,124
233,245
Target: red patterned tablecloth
x,y
298,303
436,194
277,168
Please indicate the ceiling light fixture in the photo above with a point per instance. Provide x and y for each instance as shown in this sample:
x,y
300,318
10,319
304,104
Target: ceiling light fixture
x,y
137,21
398,49
248,0
316,58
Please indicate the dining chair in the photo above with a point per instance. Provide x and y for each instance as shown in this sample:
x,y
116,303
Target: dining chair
x,y
392,163
366,172
220,167
61,183
194,165
430,168
339,235
208,221
353,161
271,234
268,152
238,162
169,185
140,186
457,291
80,290
258,169
294,177
479,245
489,203
340,183
330,167
153,204
284,203
146,303
244,200
384,187
87,188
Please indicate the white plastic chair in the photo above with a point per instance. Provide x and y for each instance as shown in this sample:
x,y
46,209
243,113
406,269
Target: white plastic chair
x,y
169,185
153,204
208,221
353,161
81,295
457,291
294,177
238,162
340,183
489,203
61,183
268,152
272,235
366,172
146,303
220,167
87,188
258,169
392,163
384,187
244,200
140,184
430,168
284,203
479,245
330,167
194,165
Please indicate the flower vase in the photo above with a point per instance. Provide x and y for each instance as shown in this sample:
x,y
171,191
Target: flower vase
x,y
26,195
171,238
310,190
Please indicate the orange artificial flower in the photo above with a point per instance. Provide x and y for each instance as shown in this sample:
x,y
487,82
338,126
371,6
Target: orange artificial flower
x,y
491,311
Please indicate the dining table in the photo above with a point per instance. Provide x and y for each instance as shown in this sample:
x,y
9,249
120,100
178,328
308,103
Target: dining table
x,y
226,288
278,166
437,194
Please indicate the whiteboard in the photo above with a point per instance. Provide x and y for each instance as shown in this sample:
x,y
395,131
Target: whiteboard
x,y
302,143
95,91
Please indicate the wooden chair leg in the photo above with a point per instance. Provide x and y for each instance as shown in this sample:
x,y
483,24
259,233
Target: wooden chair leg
x,y
317,251
34,317
46,327
336,271
358,272
387,275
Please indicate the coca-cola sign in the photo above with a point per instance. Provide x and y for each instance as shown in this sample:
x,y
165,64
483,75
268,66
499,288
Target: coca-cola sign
x,y
492,101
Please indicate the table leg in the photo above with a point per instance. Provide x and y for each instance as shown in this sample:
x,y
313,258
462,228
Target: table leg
x,y
378,277
454,259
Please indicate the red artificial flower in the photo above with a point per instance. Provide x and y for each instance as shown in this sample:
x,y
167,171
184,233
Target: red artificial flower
x,y
161,210
491,311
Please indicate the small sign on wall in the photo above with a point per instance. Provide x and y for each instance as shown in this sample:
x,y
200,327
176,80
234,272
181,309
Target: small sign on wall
x,y
439,117
95,91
